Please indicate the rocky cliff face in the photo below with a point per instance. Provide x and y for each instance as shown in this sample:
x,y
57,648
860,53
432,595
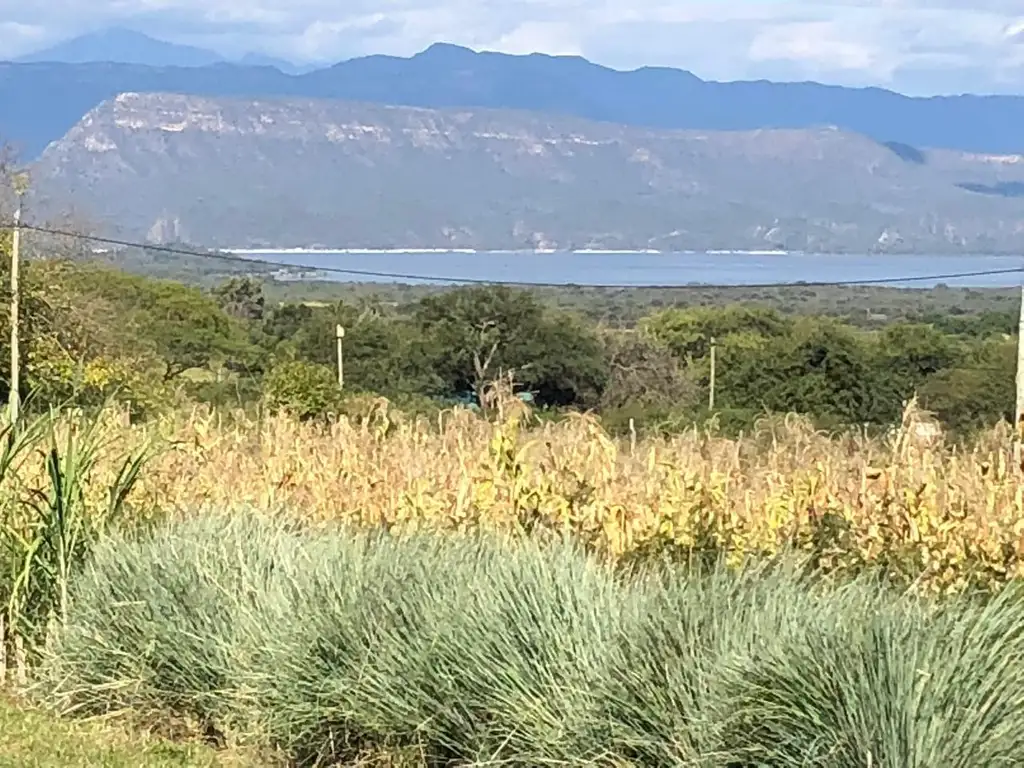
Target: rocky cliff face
x,y
304,172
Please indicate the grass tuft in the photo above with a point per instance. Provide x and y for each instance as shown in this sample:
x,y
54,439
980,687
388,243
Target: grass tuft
x,y
906,683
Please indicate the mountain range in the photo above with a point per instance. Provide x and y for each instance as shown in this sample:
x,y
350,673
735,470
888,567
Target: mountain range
x,y
42,100
128,46
285,172
454,148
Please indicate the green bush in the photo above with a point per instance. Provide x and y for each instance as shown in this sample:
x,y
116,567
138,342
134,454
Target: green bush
x,y
306,390
469,649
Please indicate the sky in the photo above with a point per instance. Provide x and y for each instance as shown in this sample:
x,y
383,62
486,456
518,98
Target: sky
x,y
914,46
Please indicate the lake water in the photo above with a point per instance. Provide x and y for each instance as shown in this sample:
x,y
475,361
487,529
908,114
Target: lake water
x,y
652,269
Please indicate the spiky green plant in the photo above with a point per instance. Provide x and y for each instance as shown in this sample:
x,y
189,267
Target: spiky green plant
x,y
47,532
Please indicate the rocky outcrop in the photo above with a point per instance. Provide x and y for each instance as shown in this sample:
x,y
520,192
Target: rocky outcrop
x,y
294,172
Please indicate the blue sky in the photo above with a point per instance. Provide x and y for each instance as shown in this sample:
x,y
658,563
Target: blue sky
x,y
916,46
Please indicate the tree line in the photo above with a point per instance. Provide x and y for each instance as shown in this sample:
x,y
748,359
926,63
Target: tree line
x,y
92,332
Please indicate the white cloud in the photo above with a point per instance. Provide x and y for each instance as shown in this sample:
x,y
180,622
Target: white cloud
x,y
821,45
554,37
927,45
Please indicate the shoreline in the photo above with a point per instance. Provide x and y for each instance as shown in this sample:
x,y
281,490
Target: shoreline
x,y
473,251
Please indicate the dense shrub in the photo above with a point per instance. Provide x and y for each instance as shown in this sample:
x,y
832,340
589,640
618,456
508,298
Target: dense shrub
x,y
306,390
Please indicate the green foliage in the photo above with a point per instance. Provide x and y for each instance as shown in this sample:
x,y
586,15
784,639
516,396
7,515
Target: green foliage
x,y
688,332
189,331
47,533
658,374
241,297
481,333
91,333
284,323
910,353
822,368
180,326
466,649
978,326
381,354
979,391
55,376
306,390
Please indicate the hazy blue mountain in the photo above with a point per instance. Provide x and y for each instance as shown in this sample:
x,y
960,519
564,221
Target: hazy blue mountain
x,y
43,101
124,46
262,60
301,172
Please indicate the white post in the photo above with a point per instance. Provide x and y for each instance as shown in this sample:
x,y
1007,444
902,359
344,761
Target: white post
x,y
339,336
711,383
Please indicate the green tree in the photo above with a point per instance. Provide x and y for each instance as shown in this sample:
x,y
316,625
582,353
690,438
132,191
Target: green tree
x,y
190,331
823,368
911,353
979,391
180,325
480,333
74,347
282,324
688,332
307,390
382,354
241,297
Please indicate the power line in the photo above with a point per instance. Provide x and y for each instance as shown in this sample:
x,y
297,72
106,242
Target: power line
x,y
235,259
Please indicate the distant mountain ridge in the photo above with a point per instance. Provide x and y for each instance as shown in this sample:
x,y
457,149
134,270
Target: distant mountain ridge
x,y
123,46
120,45
42,101
314,172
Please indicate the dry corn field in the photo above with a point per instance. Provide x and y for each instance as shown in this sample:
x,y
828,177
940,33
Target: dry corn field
x,y
942,516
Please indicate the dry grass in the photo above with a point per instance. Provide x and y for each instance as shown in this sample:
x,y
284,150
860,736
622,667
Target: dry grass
x,y
948,516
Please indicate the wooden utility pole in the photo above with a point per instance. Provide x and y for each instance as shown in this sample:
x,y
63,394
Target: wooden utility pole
x,y
339,335
711,383
15,394
1018,416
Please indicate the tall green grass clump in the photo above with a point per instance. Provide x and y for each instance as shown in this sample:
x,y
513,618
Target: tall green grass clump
x,y
461,649
155,619
329,645
666,700
913,684
48,522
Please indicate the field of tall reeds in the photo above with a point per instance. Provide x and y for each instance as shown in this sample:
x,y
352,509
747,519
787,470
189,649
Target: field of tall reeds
x,y
503,590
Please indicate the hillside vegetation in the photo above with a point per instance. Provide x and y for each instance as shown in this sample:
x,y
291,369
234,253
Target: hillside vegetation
x,y
174,167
